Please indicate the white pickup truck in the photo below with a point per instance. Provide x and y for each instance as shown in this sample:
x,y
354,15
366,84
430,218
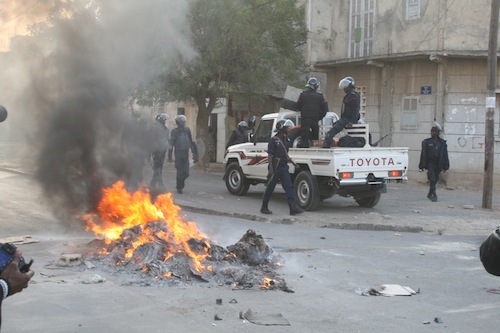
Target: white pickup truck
x,y
319,173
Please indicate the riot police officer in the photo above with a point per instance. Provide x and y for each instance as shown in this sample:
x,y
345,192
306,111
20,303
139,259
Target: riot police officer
x,y
181,141
277,150
434,159
313,107
350,110
160,136
239,135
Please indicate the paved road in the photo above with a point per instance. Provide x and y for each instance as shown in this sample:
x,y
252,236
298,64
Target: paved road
x,y
327,268
404,208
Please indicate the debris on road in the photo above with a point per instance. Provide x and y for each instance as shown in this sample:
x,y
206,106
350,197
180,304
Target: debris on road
x,y
392,290
95,278
17,240
67,260
268,319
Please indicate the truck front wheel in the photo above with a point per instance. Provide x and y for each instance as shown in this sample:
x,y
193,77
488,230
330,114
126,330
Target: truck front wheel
x,y
368,201
306,191
236,182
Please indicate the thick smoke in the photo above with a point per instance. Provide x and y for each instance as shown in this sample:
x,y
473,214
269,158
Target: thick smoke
x,y
79,90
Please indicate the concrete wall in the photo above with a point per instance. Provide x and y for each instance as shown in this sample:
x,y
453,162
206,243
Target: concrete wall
x,y
444,25
444,49
457,102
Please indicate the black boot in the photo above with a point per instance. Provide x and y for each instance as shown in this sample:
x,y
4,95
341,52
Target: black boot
x,y
265,210
294,210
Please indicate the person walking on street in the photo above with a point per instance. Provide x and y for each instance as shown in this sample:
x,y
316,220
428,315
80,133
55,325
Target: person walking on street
x,y
313,107
434,159
135,143
239,135
181,141
349,113
160,136
277,151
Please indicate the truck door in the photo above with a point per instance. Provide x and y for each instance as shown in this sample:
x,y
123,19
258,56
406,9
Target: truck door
x,y
257,155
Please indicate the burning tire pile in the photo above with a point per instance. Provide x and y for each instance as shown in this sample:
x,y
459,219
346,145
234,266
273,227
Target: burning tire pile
x,y
151,242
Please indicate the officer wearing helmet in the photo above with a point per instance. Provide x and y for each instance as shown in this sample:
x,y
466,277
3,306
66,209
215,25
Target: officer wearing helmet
x,y
251,122
313,107
434,159
350,110
181,142
135,142
277,150
160,137
251,127
239,135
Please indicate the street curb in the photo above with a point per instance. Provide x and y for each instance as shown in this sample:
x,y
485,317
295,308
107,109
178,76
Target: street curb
x,y
343,226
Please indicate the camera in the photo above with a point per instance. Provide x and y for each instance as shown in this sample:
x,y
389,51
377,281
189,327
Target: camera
x,y
7,251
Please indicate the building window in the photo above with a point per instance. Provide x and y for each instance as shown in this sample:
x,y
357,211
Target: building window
x,y
412,9
409,115
181,111
361,27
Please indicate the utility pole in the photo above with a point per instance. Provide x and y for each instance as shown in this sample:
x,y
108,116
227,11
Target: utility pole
x,y
489,148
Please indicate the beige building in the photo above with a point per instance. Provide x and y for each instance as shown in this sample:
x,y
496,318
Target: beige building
x,y
415,62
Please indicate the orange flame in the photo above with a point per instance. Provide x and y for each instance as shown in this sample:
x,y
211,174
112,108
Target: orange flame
x,y
120,210
266,283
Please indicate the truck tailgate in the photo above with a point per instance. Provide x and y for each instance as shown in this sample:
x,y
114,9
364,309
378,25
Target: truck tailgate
x,y
376,161
361,162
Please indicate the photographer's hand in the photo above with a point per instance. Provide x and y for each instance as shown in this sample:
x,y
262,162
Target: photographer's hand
x,y
16,279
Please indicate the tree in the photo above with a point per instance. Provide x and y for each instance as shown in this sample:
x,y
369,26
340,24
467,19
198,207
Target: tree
x,y
246,46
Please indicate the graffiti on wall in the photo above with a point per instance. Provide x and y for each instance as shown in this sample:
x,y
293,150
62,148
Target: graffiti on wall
x,y
468,138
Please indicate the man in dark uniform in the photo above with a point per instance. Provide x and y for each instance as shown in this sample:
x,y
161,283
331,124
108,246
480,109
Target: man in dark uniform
x,y
277,151
135,143
313,107
434,158
181,141
350,110
160,136
239,135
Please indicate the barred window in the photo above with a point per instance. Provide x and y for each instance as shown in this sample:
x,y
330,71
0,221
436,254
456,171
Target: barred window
x,y
412,9
361,27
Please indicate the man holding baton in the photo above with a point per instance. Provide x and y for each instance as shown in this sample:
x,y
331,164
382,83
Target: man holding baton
x,y
277,150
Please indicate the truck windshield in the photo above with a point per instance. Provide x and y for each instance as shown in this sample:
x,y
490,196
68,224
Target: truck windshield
x,y
264,130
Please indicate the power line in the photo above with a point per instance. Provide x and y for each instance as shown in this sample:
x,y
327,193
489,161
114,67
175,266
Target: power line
x,y
435,24
20,14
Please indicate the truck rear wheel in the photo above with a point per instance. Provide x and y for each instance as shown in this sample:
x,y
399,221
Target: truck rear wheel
x,y
369,201
236,182
306,191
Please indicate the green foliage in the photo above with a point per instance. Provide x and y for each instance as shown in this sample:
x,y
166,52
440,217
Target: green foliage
x,y
241,45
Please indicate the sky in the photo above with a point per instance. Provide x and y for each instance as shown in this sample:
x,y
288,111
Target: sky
x,y
17,15
67,93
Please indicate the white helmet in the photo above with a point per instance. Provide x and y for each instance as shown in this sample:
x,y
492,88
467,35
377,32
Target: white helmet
x,y
312,83
283,125
180,120
243,124
346,82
